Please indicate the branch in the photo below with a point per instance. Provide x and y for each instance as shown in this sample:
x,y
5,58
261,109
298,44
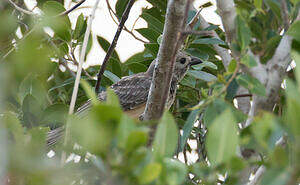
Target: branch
x,y
227,12
111,11
174,23
113,44
285,15
70,10
78,74
222,52
21,9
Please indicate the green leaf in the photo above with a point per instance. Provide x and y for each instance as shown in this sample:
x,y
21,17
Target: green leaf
x,y
294,30
125,127
136,139
243,33
112,98
105,45
12,124
188,127
213,111
295,1
166,137
152,48
120,7
80,27
209,41
275,7
37,139
232,66
32,111
149,34
150,173
197,53
160,4
188,81
153,22
137,67
138,62
249,61
276,176
292,114
33,86
202,75
176,171
252,84
262,128
231,90
89,92
61,25
53,8
55,114
222,139
258,4
296,56
111,76
205,64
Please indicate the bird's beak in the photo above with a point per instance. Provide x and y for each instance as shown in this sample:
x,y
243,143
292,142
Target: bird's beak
x,y
195,61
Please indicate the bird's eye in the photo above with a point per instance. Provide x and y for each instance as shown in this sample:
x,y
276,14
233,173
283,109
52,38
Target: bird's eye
x,y
182,60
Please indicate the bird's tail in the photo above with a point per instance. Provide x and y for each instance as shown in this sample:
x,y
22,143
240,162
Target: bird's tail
x,y
54,136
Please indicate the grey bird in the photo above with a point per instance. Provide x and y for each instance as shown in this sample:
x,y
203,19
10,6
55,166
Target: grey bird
x,y
133,90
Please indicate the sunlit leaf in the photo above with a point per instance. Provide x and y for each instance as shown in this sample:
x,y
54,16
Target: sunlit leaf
x,y
166,137
176,170
294,30
150,173
249,61
222,139
201,75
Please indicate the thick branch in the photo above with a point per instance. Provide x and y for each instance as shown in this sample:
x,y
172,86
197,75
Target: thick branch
x,y
113,44
164,66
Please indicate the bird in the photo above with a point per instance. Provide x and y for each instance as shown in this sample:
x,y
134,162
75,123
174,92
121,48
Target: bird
x,y
133,90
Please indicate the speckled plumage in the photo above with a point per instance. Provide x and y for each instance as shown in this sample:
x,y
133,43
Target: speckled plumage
x,y
132,92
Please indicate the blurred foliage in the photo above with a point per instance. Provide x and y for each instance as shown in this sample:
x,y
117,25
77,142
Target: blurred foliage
x,y
36,82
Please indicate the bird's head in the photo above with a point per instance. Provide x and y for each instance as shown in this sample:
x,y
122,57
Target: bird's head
x,y
182,65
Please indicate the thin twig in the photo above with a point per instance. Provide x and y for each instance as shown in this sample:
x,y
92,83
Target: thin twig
x,y
195,19
113,44
63,62
71,9
242,95
211,98
77,80
14,47
111,11
73,59
134,23
21,9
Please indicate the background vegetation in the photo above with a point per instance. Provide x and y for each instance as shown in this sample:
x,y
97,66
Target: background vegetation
x,y
204,128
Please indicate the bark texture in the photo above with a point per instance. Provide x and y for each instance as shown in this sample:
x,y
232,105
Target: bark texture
x,y
164,65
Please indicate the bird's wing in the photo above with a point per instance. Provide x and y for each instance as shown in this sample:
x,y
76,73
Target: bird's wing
x,y
132,92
